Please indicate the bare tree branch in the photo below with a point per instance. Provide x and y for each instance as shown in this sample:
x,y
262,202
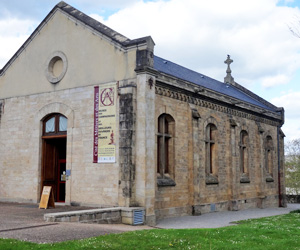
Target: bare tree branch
x,y
294,26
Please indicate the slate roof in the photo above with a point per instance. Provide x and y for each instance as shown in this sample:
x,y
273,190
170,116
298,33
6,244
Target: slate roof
x,y
173,69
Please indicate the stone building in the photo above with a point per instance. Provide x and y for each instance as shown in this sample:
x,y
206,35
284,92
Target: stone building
x,y
106,122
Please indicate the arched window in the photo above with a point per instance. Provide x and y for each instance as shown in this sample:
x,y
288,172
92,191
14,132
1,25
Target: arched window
x,y
269,155
55,125
211,154
165,150
244,156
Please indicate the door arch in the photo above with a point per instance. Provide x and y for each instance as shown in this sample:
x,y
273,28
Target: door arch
x,y
54,144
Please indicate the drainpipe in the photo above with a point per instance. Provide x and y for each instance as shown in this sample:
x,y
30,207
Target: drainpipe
x,y
278,154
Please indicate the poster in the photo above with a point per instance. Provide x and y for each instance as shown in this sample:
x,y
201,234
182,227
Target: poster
x,y
105,124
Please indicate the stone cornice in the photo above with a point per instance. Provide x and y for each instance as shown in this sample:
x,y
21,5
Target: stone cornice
x,y
146,70
217,104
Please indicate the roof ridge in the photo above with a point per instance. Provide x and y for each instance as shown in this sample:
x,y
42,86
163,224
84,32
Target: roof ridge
x,y
93,23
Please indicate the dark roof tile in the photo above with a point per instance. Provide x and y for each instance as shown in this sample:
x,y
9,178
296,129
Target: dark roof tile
x,y
186,74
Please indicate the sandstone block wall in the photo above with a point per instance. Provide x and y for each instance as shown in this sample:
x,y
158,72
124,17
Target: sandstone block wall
x,y
20,148
192,194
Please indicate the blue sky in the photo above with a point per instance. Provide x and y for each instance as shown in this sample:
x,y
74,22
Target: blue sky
x,y
197,34
292,3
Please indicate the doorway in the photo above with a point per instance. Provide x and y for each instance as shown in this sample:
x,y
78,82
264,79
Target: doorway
x,y
54,144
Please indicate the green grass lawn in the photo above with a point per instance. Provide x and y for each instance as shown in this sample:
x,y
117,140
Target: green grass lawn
x,y
277,232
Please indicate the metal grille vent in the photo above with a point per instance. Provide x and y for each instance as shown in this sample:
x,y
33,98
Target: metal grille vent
x,y
138,217
213,207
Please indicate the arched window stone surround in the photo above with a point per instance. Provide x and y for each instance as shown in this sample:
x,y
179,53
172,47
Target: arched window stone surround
x,y
65,110
56,107
244,153
169,178
269,157
244,146
211,164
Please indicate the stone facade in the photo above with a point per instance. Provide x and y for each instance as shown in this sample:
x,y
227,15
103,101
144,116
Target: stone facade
x,y
182,146
193,193
21,148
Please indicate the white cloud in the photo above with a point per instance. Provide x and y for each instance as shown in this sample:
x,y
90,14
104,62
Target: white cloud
x,y
13,33
118,4
275,80
200,33
291,104
291,129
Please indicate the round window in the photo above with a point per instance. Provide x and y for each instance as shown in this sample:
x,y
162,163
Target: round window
x,y
56,67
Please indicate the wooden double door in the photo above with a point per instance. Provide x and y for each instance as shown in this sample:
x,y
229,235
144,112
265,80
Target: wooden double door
x,y
54,166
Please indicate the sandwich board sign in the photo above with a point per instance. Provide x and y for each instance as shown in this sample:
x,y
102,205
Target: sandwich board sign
x,y
47,199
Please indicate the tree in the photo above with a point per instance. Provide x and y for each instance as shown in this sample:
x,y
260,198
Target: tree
x,y
292,167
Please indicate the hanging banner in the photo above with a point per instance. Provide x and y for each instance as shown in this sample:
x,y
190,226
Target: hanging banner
x,y
104,124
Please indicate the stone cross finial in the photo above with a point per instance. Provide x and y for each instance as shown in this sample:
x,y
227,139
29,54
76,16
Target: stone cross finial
x,y
228,78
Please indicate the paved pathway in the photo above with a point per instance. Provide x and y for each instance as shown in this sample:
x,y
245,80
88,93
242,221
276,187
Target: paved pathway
x,y
222,219
25,222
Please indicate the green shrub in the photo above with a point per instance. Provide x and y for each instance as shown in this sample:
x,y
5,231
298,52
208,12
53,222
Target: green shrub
x,y
296,211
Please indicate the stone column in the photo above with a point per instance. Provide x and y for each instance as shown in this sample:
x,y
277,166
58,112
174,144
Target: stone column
x,y
281,173
69,166
262,179
195,171
145,160
127,129
145,145
234,177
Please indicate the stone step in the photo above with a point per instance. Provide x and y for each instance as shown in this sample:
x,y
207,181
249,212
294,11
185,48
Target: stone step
x,y
115,215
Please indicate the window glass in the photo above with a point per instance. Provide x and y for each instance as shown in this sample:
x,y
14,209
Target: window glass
x,y
63,123
50,125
